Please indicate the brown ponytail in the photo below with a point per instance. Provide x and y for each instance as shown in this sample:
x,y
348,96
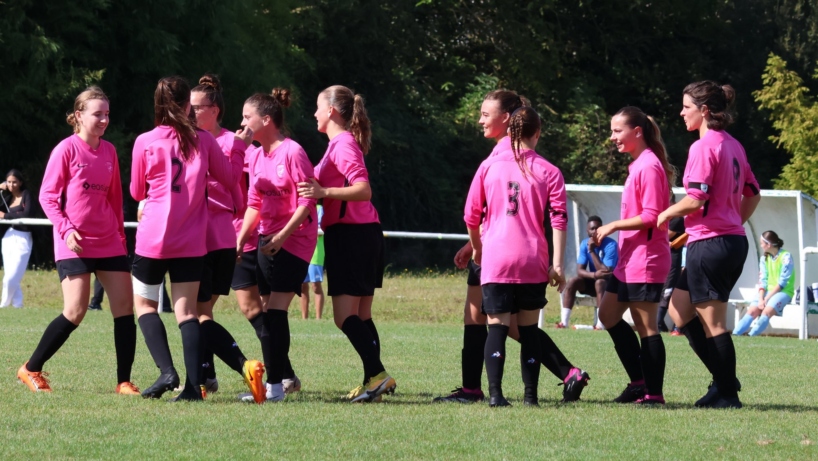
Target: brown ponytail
x,y
509,100
524,123
352,110
170,99
634,117
92,92
719,100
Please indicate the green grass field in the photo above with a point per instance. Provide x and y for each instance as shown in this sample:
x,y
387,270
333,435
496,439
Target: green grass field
x,y
419,319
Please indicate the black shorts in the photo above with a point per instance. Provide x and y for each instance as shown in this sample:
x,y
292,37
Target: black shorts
x,y
589,287
217,273
247,274
474,274
354,259
502,298
634,292
77,266
713,267
152,271
283,271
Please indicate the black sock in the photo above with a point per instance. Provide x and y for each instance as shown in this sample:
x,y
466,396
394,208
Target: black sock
x,y
494,354
259,323
653,364
552,357
125,345
694,331
52,340
363,342
208,361
374,331
723,357
156,338
221,343
627,348
191,336
279,326
530,351
471,357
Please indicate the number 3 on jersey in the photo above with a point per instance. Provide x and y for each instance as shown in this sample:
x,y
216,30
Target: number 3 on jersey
x,y
513,198
176,167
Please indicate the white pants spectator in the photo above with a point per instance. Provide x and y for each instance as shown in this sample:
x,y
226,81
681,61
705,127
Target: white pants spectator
x,y
16,251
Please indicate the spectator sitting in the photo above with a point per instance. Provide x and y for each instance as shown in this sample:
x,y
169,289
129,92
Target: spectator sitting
x,y
594,265
776,285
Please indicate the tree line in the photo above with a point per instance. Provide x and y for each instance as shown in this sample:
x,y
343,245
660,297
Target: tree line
x,y
423,67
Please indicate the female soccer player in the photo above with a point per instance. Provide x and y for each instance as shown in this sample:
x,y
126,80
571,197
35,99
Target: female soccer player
x,y
207,103
81,194
170,168
495,114
287,225
716,177
17,239
514,189
776,285
353,237
644,256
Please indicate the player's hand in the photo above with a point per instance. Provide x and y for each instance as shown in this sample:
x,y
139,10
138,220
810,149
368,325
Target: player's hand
x,y
477,256
72,242
271,244
602,232
311,189
662,219
556,278
591,245
463,255
245,134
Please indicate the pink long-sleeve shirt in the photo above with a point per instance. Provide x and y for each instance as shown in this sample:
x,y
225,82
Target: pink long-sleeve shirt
x,y
174,220
222,201
274,178
718,173
82,192
644,255
514,245
342,166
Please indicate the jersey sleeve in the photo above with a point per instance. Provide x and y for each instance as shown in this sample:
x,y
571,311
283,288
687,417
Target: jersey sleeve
x,y
225,171
302,171
557,200
611,253
582,253
350,162
253,199
762,273
699,172
55,181
138,187
751,187
652,194
475,201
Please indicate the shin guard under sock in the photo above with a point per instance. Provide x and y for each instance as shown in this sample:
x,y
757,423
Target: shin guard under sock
x,y
364,344
723,357
530,350
471,357
191,337
259,323
694,331
54,336
653,364
626,344
494,354
279,326
156,338
552,357
125,346
220,342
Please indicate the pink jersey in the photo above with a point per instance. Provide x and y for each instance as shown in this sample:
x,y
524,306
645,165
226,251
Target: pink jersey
x,y
514,245
501,146
222,201
174,220
342,166
644,255
82,192
238,218
274,179
718,173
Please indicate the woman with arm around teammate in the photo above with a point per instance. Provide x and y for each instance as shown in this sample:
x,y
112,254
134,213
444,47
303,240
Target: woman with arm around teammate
x,y
353,236
644,256
287,226
170,168
81,194
722,193
17,239
207,103
517,187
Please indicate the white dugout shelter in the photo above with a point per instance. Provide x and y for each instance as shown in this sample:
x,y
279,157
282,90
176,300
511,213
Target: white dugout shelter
x,y
793,215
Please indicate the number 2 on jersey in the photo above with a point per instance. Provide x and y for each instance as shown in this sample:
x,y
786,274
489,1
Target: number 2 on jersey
x,y
513,198
175,162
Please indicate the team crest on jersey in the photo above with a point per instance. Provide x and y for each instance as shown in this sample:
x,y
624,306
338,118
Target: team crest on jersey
x,y
280,171
110,167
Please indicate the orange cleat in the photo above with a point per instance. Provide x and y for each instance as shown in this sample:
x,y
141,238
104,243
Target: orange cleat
x,y
253,373
127,388
35,380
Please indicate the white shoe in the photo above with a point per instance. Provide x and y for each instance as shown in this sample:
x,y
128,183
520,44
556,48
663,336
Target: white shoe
x,y
291,385
275,393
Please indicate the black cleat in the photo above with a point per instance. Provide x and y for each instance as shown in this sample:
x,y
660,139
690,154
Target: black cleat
x,y
188,395
94,307
498,401
723,402
574,384
165,382
712,394
460,395
632,393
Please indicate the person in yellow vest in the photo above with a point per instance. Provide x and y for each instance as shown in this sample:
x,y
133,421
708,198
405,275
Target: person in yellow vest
x,y
776,285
